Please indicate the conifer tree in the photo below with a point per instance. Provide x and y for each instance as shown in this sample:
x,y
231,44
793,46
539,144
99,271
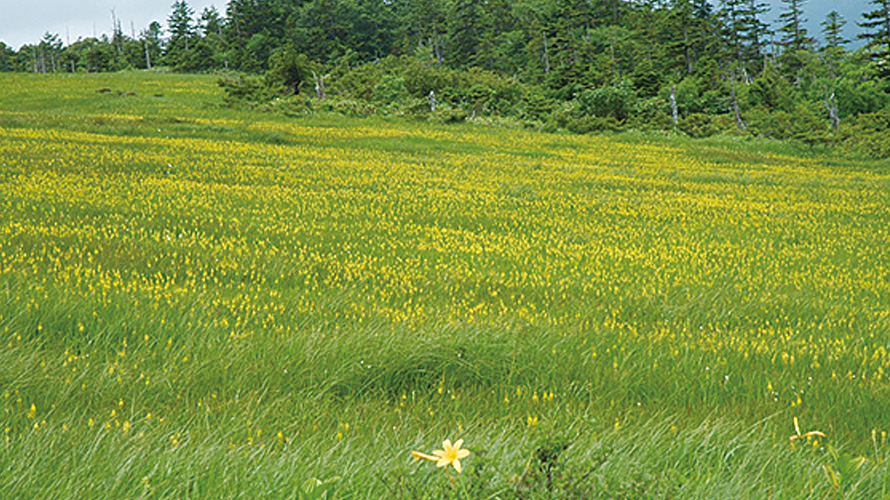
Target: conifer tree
x,y
426,26
757,31
48,53
877,33
832,28
211,25
734,28
151,44
682,19
833,51
745,32
182,30
465,32
7,55
793,29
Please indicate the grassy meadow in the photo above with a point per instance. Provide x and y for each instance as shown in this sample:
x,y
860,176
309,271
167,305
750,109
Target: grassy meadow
x,y
204,302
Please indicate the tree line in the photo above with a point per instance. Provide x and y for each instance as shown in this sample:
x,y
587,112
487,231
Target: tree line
x,y
576,64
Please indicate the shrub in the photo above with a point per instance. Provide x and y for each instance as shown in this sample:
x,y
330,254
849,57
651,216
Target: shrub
x,y
587,124
243,90
698,125
537,105
868,133
612,101
288,71
390,89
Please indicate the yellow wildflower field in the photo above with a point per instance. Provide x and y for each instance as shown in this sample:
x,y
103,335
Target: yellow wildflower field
x,y
167,273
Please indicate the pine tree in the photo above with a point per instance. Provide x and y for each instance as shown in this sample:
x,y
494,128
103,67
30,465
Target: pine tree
x,y
746,34
151,44
794,32
211,22
877,33
48,53
757,31
182,31
211,25
833,51
255,29
322,30
731,14
6,58
681,19
497,44
569,27
832,27
465,32
372,28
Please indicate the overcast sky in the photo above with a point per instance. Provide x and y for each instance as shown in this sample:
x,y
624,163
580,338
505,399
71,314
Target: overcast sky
x,y
25,21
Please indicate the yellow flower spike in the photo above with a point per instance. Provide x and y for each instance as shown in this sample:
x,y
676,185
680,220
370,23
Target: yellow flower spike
x,y
451,455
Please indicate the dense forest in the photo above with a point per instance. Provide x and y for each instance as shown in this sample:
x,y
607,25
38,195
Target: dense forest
x,y
578,65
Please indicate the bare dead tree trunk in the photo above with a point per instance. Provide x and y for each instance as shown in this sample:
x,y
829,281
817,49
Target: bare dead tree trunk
x,y
545,57
432,101
319,85
147,56
831,106
674,112
739,123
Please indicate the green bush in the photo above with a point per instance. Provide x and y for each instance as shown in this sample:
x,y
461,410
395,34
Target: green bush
x,y
650,114
611,101
868,134
390,89
448,114
698,125
291,105
420,79
289,71
770,90
537,105
587,124
243,90
349,107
